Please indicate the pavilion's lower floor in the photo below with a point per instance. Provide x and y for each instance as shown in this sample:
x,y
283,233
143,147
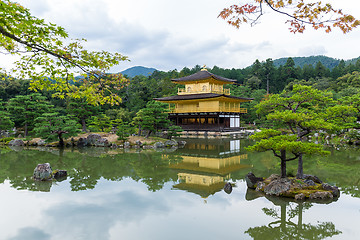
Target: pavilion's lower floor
x,y
207,121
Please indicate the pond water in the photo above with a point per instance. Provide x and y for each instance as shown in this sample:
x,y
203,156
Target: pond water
x,y
117,194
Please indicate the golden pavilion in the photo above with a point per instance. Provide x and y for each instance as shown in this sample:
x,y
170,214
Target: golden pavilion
x,y
204,104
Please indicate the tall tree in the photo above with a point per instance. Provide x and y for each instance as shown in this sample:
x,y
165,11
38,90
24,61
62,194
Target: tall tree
x,y
268,73
316,14
152,118
52,125
302,111
5,121
82,110
51,60
25,108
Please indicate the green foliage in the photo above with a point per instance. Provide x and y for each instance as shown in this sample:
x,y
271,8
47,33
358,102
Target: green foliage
x,y
301,111
81,109
24,109
275,141
6,140
52,126
101,123
52,61
124,130
152,118
5,118
174,131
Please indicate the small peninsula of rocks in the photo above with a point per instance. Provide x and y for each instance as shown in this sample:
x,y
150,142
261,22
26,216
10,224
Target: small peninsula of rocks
x,y
310,187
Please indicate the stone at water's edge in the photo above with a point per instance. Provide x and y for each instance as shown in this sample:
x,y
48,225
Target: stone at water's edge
x,y
92,138
251,180
43,172
310,187
181,144
170,143
59,174
278,187
101,142
334,189
228,188
16,142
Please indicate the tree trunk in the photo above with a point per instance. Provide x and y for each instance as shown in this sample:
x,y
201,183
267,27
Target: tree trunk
x,y
299,225
283,163
139,132
300,171
148,134
61,140
83,123
283,218
26,132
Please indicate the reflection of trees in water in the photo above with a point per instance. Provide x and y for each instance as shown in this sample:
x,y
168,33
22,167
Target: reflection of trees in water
x,y
85,170
285,226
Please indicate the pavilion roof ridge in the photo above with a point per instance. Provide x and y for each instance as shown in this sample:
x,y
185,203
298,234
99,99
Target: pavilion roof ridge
x,y
201,75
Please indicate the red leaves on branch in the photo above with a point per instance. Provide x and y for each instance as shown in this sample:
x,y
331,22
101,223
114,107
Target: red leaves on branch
x,y
300,14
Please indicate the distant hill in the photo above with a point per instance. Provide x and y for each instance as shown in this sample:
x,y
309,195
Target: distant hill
x,y
138,70
312,60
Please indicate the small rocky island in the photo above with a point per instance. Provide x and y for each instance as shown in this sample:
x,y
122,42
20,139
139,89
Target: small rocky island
x,y
310,187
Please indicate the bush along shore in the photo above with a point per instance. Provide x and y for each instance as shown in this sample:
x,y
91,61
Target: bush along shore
x,y
100,140
308,188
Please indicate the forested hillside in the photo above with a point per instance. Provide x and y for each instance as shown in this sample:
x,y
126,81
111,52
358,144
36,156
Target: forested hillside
x,y
25,110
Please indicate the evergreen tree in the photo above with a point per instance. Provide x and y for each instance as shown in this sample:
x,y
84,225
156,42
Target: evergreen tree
x,y
152,118
24,109
51,126
302,111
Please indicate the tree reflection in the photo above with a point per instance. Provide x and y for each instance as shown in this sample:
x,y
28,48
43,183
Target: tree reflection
x,y
86,167
285,225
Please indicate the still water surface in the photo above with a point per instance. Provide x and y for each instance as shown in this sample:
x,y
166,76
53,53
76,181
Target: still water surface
x,y
113,194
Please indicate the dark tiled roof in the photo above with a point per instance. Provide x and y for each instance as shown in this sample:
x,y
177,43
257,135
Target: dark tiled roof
x,y
203,75
199,96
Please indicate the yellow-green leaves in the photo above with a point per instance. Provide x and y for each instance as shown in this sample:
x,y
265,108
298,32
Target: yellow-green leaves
x,y
53,65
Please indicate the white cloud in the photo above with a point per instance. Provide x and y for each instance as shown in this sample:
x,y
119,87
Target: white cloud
x,y
168,34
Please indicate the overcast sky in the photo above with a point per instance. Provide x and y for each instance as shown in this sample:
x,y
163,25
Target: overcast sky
x,y
172,34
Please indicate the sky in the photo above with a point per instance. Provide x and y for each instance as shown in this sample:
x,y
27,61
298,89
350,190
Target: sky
x,y
172,34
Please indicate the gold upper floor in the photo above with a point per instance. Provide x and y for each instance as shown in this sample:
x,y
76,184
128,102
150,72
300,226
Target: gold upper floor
x,y
203,87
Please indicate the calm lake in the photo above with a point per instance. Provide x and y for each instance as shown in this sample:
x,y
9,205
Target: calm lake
x,y
117,194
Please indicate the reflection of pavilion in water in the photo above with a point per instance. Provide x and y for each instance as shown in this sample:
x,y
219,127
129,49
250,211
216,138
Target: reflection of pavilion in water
x,y
206,165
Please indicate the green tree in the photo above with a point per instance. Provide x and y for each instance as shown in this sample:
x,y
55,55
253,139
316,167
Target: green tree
x,y
102,123
284,146
82,110
5,121
52,126
174,131
124,130
51,60
152,118
268,73
302,111
24,109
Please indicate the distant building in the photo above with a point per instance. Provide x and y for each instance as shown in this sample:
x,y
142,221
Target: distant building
x,y
204,104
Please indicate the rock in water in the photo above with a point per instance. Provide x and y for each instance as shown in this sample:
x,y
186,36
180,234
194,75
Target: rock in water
x,y
16,142
252,181
334,189
43,172
228,188
92,138
59,174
